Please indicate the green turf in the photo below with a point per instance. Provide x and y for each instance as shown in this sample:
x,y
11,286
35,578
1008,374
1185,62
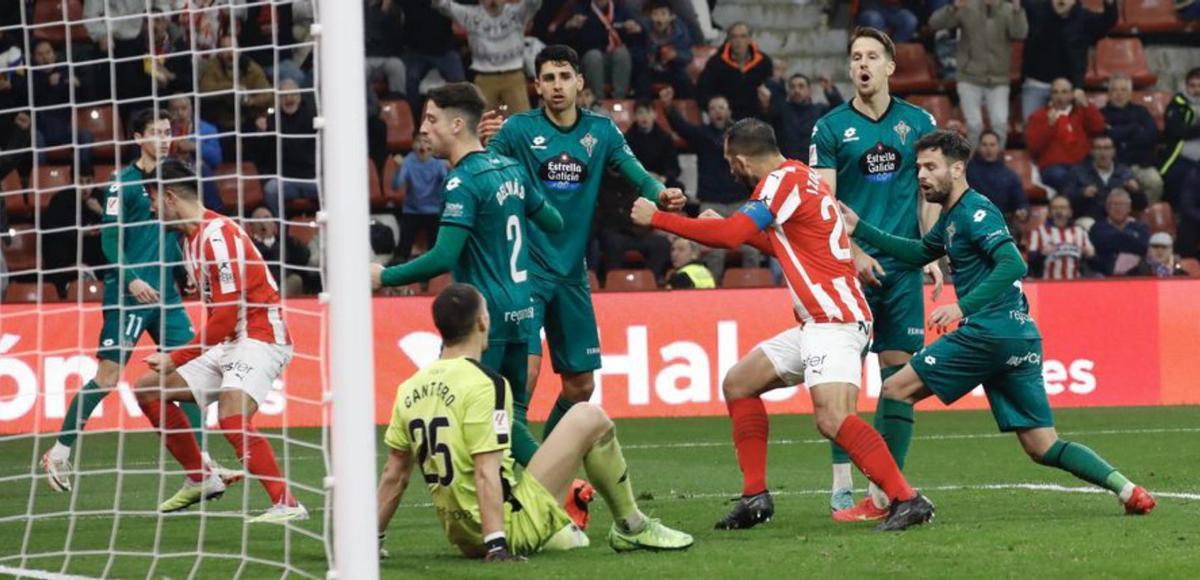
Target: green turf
x,y
685,472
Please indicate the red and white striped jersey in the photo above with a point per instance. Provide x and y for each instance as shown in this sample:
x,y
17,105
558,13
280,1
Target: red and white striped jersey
x,y
231,273
1064,248
810,242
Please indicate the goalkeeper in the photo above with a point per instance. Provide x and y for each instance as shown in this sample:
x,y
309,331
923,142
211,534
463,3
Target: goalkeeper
x,y
452,420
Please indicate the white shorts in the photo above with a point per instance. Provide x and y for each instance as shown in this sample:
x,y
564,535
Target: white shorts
x,y
819,353
246,365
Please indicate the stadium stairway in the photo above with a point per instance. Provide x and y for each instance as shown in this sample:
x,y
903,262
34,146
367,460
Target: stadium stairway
x,y
792,30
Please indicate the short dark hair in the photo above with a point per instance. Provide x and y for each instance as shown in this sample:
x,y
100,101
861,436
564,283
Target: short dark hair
x,y
875,33
464,98
987,132
179,178
454,312
1103,135
1192,74
800,76
556,53
144,118
644,104
954,146
658,4
751,137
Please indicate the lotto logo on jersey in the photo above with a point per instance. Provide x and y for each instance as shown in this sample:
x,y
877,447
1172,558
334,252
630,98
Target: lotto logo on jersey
x,y
880,163
563,173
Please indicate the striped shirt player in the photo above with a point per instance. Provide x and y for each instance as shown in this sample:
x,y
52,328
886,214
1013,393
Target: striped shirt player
x,y
1062,250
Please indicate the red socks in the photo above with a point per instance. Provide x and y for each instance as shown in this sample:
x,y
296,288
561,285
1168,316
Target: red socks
x,y
181,442
870,453
255,452
750,429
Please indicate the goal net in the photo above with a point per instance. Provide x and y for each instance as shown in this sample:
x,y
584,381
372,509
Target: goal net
x,y
231,87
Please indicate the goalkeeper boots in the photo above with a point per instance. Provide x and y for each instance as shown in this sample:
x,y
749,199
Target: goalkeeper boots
x,y
749,512
58,471
905,514
1140,503
280,513
653,536
194,492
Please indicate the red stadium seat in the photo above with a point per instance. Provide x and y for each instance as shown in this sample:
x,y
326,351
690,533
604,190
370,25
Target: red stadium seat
x,y
1094,5
397,115
1191,266
105,125
104,173
90,291
302,232
1159,218
915,70
593,281
236,184
17,198
629,281
30,293
392,195
1018,160
438,284
621,111
700,56
1120,56
938,105
1150,17
21,251
48,21
747,278
1156,102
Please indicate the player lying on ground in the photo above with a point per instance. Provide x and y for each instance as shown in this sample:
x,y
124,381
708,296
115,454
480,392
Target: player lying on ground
x,y
483,238
235,359
452,420
997,344
139,294
806,234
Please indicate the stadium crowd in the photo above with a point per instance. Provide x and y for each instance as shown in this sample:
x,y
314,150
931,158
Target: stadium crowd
x,y
1097,171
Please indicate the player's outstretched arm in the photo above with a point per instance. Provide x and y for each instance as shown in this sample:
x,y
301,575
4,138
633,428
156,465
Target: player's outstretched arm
x,y
726,233
1008,269
760,241
913,252
438,260
392,483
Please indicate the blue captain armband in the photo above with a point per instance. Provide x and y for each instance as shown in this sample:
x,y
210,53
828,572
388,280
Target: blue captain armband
x,y
758,212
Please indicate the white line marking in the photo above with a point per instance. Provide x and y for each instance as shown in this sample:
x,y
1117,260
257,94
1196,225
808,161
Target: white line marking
x,y
959,487
39,574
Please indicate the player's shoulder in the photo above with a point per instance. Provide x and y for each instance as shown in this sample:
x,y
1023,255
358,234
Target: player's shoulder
x,y
478,378
913,111
836,115
977,207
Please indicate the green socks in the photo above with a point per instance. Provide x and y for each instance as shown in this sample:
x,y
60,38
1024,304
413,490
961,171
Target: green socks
x,y
894,421
1085,464
606,470
82,405
523,443
840,455
561,406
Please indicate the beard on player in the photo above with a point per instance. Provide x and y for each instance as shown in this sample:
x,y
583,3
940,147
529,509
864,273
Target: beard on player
x,y
936,186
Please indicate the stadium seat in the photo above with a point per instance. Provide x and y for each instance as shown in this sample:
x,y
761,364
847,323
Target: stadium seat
x,y
938,105
302,232
1094,5
104,173
17,199
438,284
397,115
20,253
621,111
89,291
1151,17
688,109
50,179
747,278
915,71
229,176
48,18
629,281
593,281
700,56
1159,218
1156,102
1119,56
1018,160
1191,266
30,293
393,195
105,125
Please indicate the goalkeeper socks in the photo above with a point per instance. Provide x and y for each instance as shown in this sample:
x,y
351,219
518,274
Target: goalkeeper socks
x,y
256,454
176,436
561,406
195,418
1085,464
606,469
869,452
82,405
750,430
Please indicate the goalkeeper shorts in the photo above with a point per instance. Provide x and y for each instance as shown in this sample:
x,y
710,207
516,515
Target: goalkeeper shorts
x,y
534,518
245,365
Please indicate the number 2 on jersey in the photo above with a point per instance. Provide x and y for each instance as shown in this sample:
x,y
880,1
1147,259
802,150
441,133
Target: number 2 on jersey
x,y
829,210
512,231
426,438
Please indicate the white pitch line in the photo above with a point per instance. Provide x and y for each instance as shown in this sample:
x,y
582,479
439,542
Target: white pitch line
x,y
960,487
39,574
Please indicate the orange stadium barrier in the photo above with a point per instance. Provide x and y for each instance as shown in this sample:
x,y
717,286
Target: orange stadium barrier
x,y
1107,343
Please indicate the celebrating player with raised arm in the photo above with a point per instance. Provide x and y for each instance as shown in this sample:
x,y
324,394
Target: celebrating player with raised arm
x,y
864,150
565,151
235,359
483,238
452,419
997,344
805,232
139,293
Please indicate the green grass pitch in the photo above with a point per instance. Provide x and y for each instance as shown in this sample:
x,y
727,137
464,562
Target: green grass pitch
x,y
992,520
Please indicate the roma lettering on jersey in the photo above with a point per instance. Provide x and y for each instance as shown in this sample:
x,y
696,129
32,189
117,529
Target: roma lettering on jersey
x,y
230,272
809,238
1064,262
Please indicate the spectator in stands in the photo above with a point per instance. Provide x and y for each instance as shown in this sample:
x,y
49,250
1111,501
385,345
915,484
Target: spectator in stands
x,y
277,251
52,83
989,175
668,52
169,62
1182,128
1120,241
617,234
496,34
1161,261
736,71
716,187
1187,205
1134,133
587,101
419,181
891,15
1092,180
687,269
603,32
65,246
118,28
381,20
202,153
297,165
223,74
652,146
429,45
794,115
1060,34
267,33
1059,249
16,128
1059,134
986,29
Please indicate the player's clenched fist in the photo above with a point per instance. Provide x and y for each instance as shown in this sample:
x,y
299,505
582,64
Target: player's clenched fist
x,y
376,276
489,125
643,212
672,199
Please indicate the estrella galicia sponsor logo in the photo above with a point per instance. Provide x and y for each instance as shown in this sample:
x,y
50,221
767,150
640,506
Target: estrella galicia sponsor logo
x,y
563,173
1029,357
879,164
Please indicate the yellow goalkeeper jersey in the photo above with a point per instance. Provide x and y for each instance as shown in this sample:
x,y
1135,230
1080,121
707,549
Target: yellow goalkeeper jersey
x,y
444,415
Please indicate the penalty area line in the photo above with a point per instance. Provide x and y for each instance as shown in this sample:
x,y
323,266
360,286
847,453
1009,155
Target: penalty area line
x,y
39,574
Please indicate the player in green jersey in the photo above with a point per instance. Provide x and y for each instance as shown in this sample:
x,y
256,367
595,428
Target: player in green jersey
x,y
452,420
139,292
864,148
484,238
565,150
997,344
